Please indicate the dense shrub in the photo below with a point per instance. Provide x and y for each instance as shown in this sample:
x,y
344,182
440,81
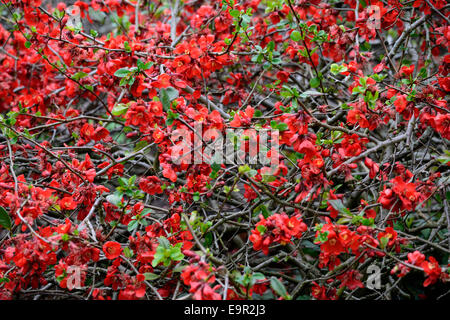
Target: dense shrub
x,y
105,104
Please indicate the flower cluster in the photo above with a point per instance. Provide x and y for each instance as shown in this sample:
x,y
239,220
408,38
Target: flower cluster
x,y
199,276
431,268
279,228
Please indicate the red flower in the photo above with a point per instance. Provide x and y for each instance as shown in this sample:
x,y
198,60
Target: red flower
x,y
168,172
373,167
402,195
444,82
379,67
67,203
115,170
64,228
100,133
205,292
321,292
112,250
87,132
216,119
407,71
400,103
355,116
333,212
404,270
162,82
351,280
296,226
390,234
307,148
156,108
137,115
416,258
243,118
151,185
276,228
283,76
432,269
198,277
442,124
406,191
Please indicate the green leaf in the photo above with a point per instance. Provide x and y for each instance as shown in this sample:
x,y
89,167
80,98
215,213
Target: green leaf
x,y
336,69
252,173
5,220
79,75
309,93
4,280
356,220
179,268
234,13
132,225
368,222
273,124
114,198
208,239
167,96
314,82
132,180
357,90
176,255
123,182
246,19
122,72
93,33
258,276
126,46
282,126
65,237
165,244
339,206
383,242
215,168
244,169
140,64
322,237
128,252
263,210
158,257
423,73
296,36
262,229
123,81
196,196
119,109
140,145
365,46
144,66
278,287
150,276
